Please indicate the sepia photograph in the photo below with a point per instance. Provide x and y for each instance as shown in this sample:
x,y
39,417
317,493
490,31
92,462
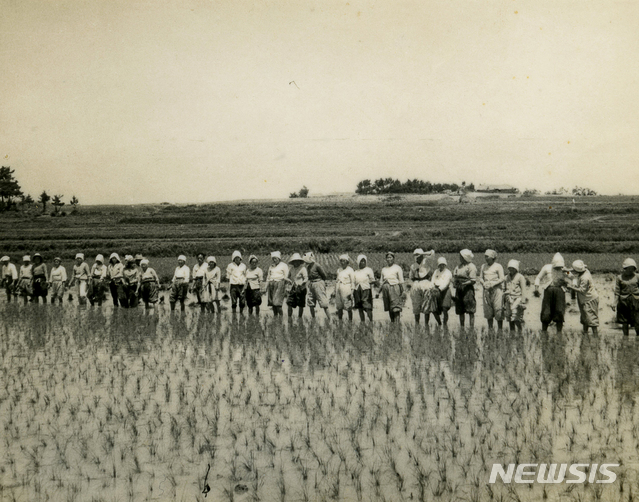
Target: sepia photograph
x,y
314,251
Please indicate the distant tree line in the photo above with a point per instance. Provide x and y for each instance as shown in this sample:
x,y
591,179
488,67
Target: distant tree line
x,y
394,186
13,198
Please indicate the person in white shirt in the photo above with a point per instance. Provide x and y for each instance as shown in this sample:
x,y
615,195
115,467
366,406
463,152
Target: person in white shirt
x,y
25,277
442,278
149,285
97,281
392,279
276,281
197,286
553,280
9,277
464,279
57,280
344,286
587,296
421,293
80,277
515,286
491,277
297,284
115,273
253,286
212,280
363,279
180,283
236,275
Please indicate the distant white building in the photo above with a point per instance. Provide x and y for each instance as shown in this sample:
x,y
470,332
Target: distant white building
x,y
496,189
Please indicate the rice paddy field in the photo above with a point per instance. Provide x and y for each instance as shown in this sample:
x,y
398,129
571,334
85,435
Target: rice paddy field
x,y
100,404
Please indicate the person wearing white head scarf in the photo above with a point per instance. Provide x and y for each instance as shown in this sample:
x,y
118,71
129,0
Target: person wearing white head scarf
x,y
197,286
364,278
297,285
236,274
515,286
115,276
80,277
344,286
316,285
149,285
491,278
442,279
57,280
131,282
9,277
180,284
392,278
39,282
212,280
276,281
97,281
422,288
25,276
587,296
553,280
253,286
464,279
627,297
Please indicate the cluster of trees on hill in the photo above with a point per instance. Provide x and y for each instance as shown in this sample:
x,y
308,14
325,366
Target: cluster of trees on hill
x,y
578,191
391,186
12,197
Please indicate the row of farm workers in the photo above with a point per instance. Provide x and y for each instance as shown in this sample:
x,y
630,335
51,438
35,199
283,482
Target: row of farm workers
x,y
301,282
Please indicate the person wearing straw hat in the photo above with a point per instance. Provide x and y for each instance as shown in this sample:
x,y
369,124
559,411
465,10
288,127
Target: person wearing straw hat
x,y
9,277
421,290
236,274
57,280
515,285
180,284
212,280
553,280
344,286
442,279
80,278
197,286
316,284
363,280
97,282
115,275
276,281
40,284
149,285
491,278
392,279
131,281
587,296
25,276
626,301
297,285
464,279
253,286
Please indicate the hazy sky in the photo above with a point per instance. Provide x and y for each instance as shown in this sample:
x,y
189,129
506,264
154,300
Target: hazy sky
x,y
195,101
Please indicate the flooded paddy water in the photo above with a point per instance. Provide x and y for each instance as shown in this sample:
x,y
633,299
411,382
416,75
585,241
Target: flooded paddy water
x,y
103,405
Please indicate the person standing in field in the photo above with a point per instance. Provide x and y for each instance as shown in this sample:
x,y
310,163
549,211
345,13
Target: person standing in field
x,y
97,283
344,286
464,279
57,280
131,281
553,280
80,277
180,284
627,297
297,285
212,280
236,274
276,281
442,278
198,275
9,277
491,278
587,296
421,290
392,279
25,277
115,272
515,285
364,278
316,284
253,287
149,285
40,279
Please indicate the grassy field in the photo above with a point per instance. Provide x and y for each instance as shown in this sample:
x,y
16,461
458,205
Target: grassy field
x,y
372,225
99,406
